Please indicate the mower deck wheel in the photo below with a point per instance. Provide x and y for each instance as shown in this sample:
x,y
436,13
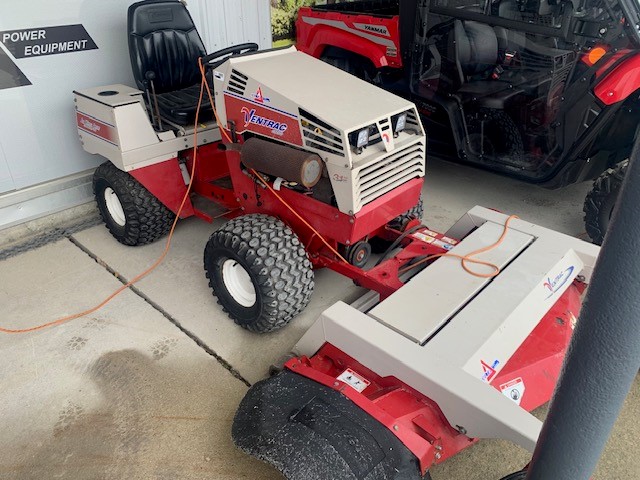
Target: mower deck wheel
x,y
599,203
259,271
131,213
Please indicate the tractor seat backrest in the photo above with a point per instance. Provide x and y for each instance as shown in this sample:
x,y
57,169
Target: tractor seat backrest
x,y
476,47
163,39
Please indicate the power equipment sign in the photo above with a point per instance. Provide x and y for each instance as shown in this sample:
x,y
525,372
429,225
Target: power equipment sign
x,y
38,42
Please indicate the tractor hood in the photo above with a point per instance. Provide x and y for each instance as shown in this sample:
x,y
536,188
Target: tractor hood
x,y
343,101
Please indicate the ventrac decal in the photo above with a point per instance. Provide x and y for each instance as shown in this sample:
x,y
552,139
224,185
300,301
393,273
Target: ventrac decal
x,y
250,116
555,284
489,371
95,127
262,119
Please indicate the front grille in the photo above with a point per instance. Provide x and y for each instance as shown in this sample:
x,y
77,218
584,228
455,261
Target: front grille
x,y
391,171
320,135
237,82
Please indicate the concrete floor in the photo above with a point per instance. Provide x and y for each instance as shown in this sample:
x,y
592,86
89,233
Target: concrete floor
x,y
146,388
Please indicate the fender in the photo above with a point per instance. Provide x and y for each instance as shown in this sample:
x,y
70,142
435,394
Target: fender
x,y
621,82
164,180
316,33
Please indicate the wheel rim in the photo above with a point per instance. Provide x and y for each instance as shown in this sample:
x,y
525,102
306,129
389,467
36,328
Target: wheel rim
x,y
114,207
238,283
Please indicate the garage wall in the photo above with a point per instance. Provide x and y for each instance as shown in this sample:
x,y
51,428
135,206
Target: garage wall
x,y
38,138
222,23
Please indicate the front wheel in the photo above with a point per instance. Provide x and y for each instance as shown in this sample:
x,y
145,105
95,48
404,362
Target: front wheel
x,y
132,214
494,137
259,271
601,199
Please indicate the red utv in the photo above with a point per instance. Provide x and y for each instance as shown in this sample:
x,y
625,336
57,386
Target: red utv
x,y
542,90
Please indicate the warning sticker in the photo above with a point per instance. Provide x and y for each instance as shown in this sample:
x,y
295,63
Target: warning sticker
x,y
440,243
354,380
429,232
449,240
424,238
513,389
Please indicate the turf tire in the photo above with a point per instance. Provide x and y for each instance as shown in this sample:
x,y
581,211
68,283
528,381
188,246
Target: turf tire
x,y
601,199
276,262
146,219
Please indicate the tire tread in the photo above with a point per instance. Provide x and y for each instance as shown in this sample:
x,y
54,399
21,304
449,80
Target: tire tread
x,y
278,260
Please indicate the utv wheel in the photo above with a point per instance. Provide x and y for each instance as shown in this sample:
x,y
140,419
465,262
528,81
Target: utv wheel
x,y
130,212
352,63
601,199
259,271
495,136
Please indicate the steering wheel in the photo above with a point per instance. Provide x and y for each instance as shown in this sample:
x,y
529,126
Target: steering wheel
x,y
228,52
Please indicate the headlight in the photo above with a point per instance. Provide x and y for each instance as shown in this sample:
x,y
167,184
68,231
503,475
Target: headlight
x,y
360,138
399,122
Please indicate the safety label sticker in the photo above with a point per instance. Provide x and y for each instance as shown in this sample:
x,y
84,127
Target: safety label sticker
x,y
513,389
441,244
354,380
423,237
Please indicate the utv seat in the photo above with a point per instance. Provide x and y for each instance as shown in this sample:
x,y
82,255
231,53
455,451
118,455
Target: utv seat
x,y
164,47
476,55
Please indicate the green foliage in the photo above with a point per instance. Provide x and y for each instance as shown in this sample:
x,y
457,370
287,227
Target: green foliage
x,y
283,17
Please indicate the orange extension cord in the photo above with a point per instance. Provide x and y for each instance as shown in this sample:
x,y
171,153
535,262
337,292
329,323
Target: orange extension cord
x,y
204,85
469,256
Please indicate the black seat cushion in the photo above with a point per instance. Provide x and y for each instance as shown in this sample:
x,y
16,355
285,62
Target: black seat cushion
x,y
180,106
488,93
163,39
476,47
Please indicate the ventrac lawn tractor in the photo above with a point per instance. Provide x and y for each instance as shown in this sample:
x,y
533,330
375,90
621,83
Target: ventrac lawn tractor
x,y
545,91
314,168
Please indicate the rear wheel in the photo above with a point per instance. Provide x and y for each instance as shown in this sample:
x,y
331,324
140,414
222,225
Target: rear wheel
x,y
259,271
601,199
131,213
352,63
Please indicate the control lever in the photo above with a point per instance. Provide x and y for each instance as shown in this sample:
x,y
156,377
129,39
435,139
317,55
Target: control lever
x,y
150,76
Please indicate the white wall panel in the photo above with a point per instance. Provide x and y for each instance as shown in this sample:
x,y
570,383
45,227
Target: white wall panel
x,y
223,23
37,124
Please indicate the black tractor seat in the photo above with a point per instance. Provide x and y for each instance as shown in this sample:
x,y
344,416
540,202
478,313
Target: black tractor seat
x,y
164,47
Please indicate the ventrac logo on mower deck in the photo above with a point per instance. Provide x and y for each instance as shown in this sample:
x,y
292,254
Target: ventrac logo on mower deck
x,y
250,117
555,284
